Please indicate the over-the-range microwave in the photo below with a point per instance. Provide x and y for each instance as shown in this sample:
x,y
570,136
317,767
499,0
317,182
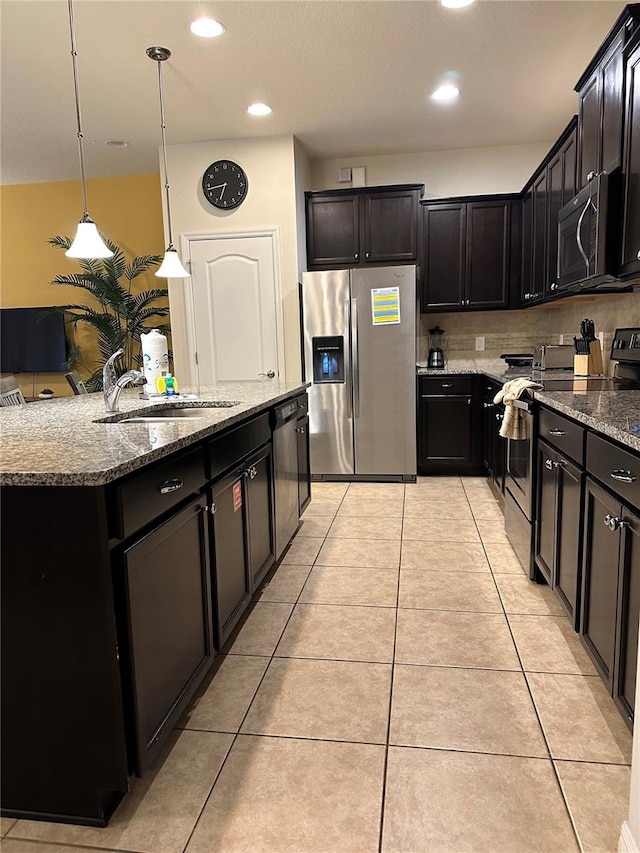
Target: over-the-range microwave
x,y
588,234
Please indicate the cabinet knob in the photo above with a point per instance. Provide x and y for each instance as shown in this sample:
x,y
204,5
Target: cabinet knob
x,y
356,256
622,476
639,256
300,430
614,523
560,463
527,296
498,416
213,508
554,286
367,255
468,301
251,473
488,405
548,464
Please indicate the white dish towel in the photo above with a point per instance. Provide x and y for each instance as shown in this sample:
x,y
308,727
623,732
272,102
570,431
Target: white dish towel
x,y
513,422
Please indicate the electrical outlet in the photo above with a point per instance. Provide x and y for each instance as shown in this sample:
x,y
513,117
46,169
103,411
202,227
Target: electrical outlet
x,y
479,342
562,337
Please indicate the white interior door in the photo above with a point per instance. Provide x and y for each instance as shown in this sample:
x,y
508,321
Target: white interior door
x,y
237,307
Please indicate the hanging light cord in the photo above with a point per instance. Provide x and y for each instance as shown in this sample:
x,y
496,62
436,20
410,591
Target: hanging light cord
x,y
74,59
164,147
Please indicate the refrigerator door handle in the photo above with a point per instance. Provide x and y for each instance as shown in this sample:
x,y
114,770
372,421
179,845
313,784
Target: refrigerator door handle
x,y
355,358
347,363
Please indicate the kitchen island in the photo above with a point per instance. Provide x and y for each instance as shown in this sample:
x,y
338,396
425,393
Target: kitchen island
x,y
130,551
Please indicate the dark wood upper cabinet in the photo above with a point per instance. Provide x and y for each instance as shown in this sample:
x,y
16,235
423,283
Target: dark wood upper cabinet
x,y
630,260
488,236
601,95
552,186
362,226
466,253
333,230
444,246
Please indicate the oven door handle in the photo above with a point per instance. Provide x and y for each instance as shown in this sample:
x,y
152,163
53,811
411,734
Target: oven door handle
x,y
522,405
579,236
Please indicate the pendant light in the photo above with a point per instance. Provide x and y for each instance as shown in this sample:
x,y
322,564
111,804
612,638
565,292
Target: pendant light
x,y
171,266
87,243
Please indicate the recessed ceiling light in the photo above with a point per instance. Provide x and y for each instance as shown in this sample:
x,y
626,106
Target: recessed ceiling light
x,y
116,143
446,92
206,28
456,4
259,110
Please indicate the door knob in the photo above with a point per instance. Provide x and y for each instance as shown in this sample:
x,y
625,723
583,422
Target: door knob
x,y
548,464
269,373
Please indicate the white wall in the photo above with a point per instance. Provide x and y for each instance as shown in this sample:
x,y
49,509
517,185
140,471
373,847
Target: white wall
x,y
270,203
465,171
303,182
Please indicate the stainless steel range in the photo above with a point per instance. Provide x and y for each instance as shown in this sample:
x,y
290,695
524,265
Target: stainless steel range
x,y
520,475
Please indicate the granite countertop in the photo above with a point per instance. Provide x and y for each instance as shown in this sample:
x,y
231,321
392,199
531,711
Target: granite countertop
x,y
613,413
58,442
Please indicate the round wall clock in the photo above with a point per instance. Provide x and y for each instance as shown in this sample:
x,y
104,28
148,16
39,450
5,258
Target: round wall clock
x,y
225,184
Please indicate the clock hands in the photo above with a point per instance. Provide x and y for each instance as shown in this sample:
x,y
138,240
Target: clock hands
x,y
217,187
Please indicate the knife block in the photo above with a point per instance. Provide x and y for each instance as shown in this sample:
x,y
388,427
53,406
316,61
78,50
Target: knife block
x,y
588,365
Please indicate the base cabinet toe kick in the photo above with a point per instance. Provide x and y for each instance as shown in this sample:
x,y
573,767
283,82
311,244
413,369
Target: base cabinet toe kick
x,y
111,622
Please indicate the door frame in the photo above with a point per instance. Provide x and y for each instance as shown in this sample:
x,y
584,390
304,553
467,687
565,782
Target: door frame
x,y
189,237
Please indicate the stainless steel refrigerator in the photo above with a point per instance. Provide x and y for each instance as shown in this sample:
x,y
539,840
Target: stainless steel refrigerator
x,y
359,331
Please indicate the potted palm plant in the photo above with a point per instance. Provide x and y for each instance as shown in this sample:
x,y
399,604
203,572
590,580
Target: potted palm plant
x,y
117,313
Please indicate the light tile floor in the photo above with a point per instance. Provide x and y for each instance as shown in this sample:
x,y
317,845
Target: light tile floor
x,y
398,687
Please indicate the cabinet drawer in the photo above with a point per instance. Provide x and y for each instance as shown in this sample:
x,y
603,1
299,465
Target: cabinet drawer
x,y
618,469
439,385
146,495
225,451
562,433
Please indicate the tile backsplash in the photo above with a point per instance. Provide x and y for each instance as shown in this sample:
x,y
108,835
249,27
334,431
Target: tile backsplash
x,y
518,331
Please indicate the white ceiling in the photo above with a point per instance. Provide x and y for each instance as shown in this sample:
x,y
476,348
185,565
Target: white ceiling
x,y
347,78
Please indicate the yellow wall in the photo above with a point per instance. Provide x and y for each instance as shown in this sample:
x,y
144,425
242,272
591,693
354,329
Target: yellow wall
x,y
127,210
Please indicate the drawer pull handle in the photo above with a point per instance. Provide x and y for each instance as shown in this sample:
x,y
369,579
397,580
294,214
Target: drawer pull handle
x,y
170,486
557,432
446,384
548,464
622,476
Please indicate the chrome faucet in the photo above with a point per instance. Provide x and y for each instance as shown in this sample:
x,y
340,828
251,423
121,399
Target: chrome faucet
x,y
112,386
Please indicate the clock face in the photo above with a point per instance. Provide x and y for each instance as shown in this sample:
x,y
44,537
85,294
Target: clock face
x,y
225,185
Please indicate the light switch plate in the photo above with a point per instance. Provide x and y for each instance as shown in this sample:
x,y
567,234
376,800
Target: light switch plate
x,y
479,342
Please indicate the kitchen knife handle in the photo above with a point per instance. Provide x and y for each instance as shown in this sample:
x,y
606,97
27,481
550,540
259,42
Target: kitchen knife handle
x,y
355,357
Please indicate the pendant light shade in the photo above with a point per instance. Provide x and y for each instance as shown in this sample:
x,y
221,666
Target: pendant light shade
x,y
88,244
171,266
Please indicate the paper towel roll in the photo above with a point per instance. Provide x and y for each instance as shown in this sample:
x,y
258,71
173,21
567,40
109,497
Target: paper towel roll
x,y
155,358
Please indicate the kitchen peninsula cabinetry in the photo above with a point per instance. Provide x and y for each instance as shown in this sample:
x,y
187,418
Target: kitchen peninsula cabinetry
x,y
558,508
467,259
373,225
241,510
611,568
447,408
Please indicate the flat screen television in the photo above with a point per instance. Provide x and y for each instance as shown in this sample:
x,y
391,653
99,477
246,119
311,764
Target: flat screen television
x,y
31,342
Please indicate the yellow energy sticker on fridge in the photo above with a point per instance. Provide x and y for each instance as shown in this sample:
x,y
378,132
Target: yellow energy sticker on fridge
x,y
385,305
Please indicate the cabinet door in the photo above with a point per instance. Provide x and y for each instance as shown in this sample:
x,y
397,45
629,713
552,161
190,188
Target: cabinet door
x,y
445,432
260,516
555,186
631,210
231,571
611,86
568,535
539,260
304,464
545,526
488,429
526,288
390,227
169,623
443,266
487,261
589,126
600,579
570,163
333,230
628,615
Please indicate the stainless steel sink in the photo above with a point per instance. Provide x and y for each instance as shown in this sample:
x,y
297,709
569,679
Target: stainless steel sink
x,y
170,413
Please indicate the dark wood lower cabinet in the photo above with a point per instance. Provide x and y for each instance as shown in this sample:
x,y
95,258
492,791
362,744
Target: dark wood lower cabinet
x,y
259,511
611,593
450,424
304,464
169,624
558,525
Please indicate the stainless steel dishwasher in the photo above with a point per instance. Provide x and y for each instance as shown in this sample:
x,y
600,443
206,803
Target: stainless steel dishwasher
x,y
285,460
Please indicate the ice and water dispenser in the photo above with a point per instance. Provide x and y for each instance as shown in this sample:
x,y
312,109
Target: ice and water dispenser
x,y
328,359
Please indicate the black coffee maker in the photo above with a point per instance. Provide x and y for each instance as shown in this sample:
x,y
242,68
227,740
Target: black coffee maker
x,y
436,342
